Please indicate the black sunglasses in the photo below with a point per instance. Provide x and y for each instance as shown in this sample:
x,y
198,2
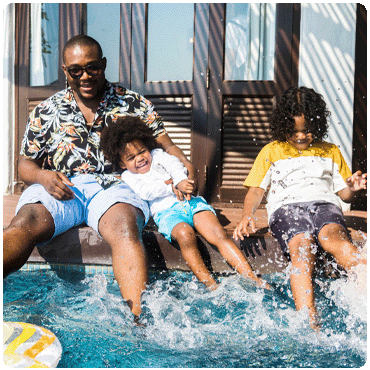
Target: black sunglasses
x,y
77,72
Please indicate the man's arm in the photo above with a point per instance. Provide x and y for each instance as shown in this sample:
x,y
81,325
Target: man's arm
x,y
31,172
169,147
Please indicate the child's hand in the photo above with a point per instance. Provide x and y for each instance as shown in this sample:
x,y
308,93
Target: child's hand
x,y
179,195
357,181
186,186
242,228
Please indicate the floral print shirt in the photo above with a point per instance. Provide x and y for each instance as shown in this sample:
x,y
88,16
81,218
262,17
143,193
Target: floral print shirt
x,y
57,132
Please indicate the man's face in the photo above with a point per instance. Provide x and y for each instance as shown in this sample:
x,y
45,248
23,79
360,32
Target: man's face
x,y
86,86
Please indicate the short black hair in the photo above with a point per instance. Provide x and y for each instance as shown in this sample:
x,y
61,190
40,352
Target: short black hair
x,y
124,130
82,40
298,101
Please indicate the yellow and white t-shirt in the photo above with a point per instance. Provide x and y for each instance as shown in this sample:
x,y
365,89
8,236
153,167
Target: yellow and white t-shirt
x,y
316,173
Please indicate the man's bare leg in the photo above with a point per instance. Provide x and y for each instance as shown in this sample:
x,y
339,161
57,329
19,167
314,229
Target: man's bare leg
x,y
30,226
121,227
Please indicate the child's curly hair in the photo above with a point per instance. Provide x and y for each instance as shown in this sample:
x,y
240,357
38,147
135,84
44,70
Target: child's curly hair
x,y
296,102
122,131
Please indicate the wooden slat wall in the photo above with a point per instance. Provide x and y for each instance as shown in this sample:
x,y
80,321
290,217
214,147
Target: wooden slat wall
x,y
176,113
245,132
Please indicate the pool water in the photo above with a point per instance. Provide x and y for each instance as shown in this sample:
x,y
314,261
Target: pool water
x,y
238,325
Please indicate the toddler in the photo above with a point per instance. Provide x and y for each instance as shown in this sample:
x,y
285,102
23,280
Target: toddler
x,y
154,175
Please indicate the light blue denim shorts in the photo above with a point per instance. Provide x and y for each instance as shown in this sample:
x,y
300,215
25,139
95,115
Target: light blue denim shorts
x,y
90,203
184,211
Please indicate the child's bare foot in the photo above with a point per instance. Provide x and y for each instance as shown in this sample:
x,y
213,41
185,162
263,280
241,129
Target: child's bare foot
x,y
138,323
314,321
212,287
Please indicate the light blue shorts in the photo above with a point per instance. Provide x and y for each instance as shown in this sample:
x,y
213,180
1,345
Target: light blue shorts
x,y
90,203
180,212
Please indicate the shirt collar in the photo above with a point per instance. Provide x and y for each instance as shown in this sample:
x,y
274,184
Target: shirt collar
x,y
108,95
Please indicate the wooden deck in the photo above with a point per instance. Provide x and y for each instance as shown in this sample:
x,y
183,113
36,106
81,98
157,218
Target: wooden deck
x,y
82,245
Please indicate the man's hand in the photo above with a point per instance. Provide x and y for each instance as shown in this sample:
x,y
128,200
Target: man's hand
x,y
55,184
192,176
168,146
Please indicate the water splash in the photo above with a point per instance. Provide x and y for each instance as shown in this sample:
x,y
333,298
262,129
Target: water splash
x,y
237,325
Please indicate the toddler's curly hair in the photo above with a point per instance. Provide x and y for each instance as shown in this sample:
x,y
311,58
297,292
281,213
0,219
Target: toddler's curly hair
x,y
297,101
122,131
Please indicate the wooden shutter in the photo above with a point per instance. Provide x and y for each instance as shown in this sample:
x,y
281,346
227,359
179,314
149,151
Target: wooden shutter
x,y
176,113
245,132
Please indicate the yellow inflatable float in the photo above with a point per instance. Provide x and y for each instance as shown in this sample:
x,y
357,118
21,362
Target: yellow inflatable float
x,y
27,345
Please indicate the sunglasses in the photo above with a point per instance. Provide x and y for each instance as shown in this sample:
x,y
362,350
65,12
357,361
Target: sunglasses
x,y
77,72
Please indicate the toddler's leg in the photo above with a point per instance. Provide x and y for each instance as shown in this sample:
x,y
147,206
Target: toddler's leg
x,y
185,235
207,224
303,263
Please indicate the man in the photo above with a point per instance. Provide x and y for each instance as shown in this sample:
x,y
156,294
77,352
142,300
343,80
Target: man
x,y
71,182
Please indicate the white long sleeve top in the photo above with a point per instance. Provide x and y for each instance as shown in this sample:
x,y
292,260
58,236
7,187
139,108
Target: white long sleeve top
x,y
150,186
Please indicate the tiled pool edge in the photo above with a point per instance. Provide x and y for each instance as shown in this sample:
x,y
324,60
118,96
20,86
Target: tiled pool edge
x,y
67,267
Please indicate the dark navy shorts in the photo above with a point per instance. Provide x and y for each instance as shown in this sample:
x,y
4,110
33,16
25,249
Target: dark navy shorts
x,y
299,218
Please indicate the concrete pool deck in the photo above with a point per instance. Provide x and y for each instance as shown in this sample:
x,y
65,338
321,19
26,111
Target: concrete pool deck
x,y
82,245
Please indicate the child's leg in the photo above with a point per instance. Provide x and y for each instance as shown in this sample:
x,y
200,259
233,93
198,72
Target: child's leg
x,y
208,225
303,263
334,239
185,235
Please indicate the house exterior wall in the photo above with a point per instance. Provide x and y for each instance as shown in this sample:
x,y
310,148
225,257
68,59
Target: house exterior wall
x,y
327,64
8,99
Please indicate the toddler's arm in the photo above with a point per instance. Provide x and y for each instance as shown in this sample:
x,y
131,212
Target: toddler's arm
x,y
177,172
251,202
147,190
186,186
355,183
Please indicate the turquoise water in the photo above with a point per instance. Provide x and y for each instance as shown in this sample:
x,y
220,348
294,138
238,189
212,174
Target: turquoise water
x,y
238,325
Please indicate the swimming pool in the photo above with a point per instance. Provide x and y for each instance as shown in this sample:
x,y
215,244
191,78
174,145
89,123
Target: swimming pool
x,y
238,325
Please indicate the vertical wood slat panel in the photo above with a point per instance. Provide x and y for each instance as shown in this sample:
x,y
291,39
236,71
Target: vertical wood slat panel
x,y
177,115
32,104
245,132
